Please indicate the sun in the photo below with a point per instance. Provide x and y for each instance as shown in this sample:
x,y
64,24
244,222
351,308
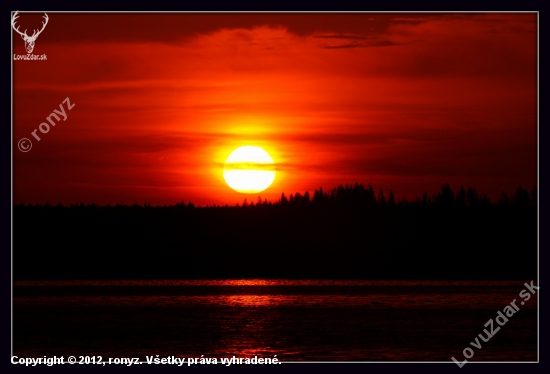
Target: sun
x,y
249,169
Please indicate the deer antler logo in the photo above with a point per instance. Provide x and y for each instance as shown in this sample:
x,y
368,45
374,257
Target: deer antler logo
x,y
29,40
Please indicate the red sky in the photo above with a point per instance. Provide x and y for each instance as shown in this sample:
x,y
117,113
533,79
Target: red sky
x,y
403,101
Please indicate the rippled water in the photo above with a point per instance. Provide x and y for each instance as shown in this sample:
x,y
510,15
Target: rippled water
x,y
312,320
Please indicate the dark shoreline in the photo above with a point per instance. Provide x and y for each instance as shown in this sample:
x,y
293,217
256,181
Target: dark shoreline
x,y
311,241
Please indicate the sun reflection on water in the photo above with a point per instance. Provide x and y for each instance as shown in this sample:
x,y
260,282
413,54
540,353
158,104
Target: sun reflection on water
x,y
250,300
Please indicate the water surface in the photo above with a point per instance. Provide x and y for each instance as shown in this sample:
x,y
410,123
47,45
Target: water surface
x,y
297,320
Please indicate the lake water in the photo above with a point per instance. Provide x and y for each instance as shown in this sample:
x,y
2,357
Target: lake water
x,y
302,320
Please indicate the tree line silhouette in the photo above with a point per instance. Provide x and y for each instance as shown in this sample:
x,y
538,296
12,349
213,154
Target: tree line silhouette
x,y
348,232
360,196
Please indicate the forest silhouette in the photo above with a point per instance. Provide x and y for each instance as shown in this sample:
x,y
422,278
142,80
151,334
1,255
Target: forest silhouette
x,y
349,232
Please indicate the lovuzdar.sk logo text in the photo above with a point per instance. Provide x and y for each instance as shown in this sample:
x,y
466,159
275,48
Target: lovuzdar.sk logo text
x,y
30,40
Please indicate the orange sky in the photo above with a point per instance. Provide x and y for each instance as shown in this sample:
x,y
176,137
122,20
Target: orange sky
x,y
403,101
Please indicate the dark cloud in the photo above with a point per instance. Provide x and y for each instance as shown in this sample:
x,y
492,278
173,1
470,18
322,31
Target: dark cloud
x,y
173,27
342,36
377,43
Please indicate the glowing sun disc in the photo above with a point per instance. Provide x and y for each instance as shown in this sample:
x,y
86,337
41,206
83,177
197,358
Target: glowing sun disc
x,y
249,169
